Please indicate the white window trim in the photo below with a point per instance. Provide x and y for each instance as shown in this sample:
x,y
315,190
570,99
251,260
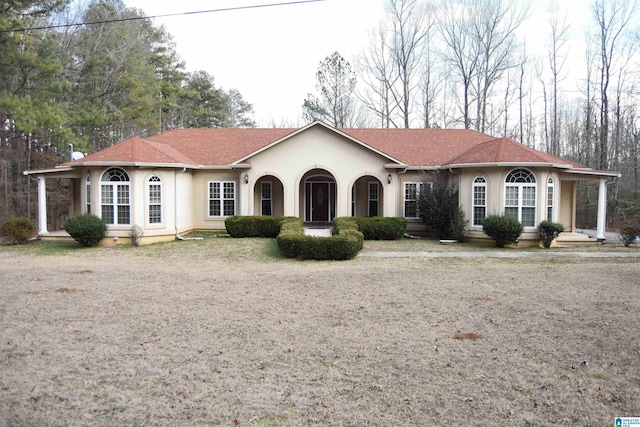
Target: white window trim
x,y
551,203
419,188
87,194
148,185
270,199
521,186
222,199
369,199
114,187
475,185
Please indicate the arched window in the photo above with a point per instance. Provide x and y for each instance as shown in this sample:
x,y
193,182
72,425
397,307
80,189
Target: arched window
x,y
115,197
520,196
479,200
550,190
87,193
154,191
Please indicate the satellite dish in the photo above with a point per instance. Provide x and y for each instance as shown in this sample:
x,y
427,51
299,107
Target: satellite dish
x,y
76,155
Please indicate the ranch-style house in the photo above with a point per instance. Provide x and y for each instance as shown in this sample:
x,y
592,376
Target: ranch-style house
x,y
192,179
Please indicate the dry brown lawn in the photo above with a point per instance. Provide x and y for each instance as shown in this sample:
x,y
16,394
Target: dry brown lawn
x,y
224,332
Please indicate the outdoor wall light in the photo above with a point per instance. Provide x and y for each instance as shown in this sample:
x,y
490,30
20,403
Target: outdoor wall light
x,y
389,179
246,178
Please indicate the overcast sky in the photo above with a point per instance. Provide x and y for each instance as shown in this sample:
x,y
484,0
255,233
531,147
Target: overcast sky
x,y
271,54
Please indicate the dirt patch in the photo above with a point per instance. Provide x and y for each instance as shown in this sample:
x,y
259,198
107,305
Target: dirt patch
x,y
223,332
472,336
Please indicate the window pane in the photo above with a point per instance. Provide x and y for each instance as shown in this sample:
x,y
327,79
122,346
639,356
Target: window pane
x,y
410,209
123,194
513,212
107,195
214,207
229,190
528,196
511,196
155,194
214,190
373,208
528,217
266,190
155,214
123,214
479,196
479,213
229,207
107,214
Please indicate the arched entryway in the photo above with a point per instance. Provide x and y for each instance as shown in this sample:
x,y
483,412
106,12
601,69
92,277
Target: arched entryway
x,y
268,196
366,197
318,196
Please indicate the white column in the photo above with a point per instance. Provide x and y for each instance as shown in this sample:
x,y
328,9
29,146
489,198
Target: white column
x,y
246,194
42,206
602,210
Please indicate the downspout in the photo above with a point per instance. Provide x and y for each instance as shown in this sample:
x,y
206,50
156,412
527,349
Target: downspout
x,y
175,207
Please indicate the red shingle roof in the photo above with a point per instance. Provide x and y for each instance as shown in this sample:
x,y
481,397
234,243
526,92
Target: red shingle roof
x,y
413,147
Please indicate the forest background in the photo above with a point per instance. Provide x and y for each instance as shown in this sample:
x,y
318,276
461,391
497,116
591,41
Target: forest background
x,y
447,63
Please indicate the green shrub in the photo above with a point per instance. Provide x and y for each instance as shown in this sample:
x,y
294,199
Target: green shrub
x,y
253,226
381,228
504,230
344,245
86,229
628,234
17,230
549,231
439,210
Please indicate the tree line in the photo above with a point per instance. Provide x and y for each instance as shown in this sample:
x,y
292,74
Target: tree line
x,y
465,64
436,63
87,87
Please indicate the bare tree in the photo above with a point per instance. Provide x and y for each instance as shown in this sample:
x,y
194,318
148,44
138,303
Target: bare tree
x,y
336,82
556,54
613,18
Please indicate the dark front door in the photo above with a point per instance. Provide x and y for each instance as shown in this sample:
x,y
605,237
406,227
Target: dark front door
x,y
320,203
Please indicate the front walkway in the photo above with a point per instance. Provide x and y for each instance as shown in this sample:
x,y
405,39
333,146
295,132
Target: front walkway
x,y
499,254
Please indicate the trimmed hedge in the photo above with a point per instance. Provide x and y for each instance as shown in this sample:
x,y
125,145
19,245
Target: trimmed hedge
x,y
253,226
86,229
382,228
17,230
504,230
346,244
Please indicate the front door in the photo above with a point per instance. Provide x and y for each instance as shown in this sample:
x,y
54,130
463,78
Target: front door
x,y
320,201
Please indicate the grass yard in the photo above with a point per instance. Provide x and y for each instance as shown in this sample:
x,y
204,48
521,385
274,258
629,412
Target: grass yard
x,y
225,332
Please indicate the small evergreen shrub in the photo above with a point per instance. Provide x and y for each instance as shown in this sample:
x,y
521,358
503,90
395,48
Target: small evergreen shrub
x,y
86,229
628,234
549,231
17,230
253,226
504,230
381,228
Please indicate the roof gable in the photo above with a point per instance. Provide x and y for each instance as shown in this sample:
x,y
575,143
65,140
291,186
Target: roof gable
x,y
136,150
505,150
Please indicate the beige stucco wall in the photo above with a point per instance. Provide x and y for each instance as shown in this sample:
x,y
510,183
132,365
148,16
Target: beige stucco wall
x,y
562,201
317,148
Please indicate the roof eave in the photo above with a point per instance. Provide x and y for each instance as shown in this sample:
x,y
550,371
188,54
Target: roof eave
x,y
506,164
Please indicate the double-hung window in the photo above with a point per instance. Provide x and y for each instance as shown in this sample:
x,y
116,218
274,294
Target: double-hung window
x,y
154,191
411,195
115,197
374,199
550,189
266,198
479,200
520,197
87,190
222,198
